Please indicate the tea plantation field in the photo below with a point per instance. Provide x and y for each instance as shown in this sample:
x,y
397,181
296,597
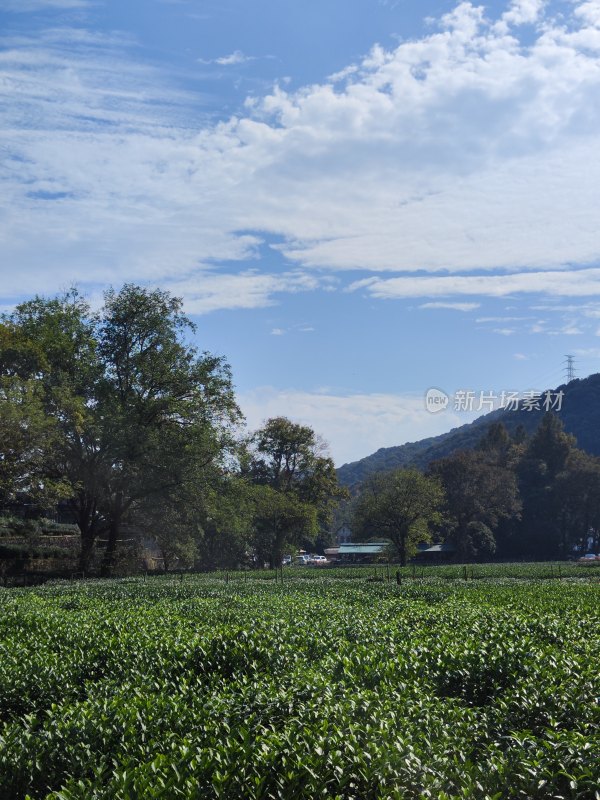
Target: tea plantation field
x,y
328,686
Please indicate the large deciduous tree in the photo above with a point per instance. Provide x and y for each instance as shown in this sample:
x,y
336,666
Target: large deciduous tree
x,y
168,412
296,486
400,505
139,412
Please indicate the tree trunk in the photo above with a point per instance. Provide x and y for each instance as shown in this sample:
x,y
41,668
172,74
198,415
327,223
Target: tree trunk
x,y
108,562
276,554
87,551
401,548
563,537
84,513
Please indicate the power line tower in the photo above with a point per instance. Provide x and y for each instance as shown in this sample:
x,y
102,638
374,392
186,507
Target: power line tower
x,y
570,368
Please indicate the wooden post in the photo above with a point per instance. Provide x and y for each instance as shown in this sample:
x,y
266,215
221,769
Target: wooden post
x,y
398,577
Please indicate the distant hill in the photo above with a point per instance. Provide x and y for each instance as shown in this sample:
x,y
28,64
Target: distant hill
x,y
580,414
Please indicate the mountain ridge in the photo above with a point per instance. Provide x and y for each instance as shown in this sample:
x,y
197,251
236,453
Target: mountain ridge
x,y
579,412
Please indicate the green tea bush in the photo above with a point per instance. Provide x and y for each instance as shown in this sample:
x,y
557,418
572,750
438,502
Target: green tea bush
x,y
323,687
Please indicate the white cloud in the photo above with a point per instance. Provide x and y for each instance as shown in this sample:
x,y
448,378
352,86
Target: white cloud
x,y
463,151
237,57
521,12
589,12
454,306
41,5
521,357
373,420
561,283
569,330
480,320
293,328
211,291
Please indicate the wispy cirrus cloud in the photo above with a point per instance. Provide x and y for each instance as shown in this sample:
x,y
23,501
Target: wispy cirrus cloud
x,y
452,306
207,291
374,419
299,328
24,6
561,283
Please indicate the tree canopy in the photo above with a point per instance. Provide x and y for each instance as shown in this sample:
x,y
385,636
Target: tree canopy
x,y
479,493
400,505
133,410
295,482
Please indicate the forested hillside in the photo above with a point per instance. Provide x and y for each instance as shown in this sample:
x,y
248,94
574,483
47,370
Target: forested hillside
x,y
580,415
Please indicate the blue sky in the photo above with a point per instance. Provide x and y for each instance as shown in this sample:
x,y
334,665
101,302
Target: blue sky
x,y
357,199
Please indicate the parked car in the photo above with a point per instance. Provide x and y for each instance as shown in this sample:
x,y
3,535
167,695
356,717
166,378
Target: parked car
x,y
588,557
318,561
286,561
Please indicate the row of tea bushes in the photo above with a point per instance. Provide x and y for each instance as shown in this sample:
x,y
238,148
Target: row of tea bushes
x,y
320,688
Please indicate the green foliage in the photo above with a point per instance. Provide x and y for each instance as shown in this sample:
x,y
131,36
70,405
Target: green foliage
x,y
280,519
547,526
401,506
479,493
114,408
517,496
480,541
332,687
295,486
550,445
18,526
28,436
16,551
51,528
